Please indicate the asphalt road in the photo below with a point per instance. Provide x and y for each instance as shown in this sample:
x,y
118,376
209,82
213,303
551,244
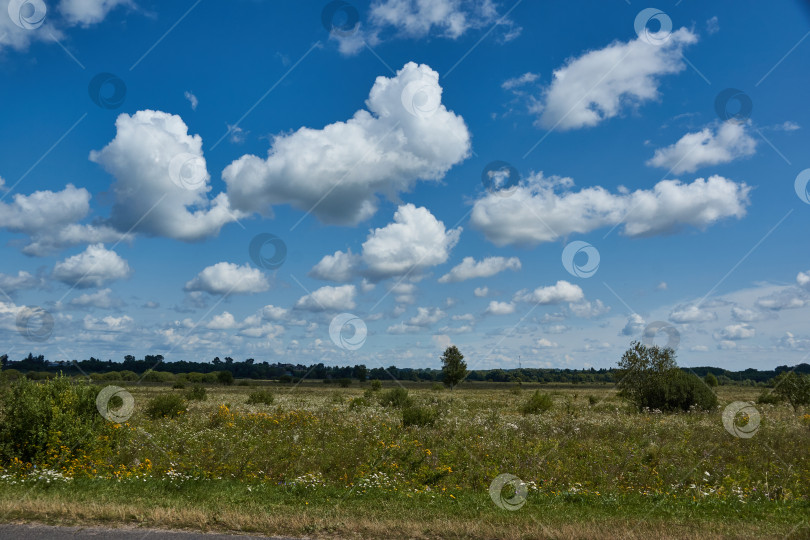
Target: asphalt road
x,y
38,532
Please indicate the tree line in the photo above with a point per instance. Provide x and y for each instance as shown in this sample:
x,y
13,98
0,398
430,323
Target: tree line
x,y
251,369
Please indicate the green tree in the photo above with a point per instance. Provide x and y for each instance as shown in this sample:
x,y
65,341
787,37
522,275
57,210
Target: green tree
x,y
454,368
710,380
794,387
225,377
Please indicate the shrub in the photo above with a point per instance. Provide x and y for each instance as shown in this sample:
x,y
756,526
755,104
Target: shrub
x,y
285,379
769,398
358,402
415,415
179,385
37,419
537,403
592,400
158,376
376,385
165,406
225,377
197,393
436,387
649,378
396,397
710,380
344,382
260,397
793,387
243,382
10,374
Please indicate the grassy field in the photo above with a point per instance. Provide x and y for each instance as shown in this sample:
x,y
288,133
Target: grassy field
x,y
333,462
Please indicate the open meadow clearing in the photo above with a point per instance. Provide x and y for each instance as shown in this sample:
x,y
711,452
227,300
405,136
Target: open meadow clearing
x,y
326,461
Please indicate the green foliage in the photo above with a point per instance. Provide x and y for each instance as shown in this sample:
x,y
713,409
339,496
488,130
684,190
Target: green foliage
x,y
376,385
359,402
10,375
179,385
396,397
454,368
417,415
243,382
537,403
37,418
260,397
649,378
197,393
436,387
710,380
158,376
592,400
225,377
793,387
344,382
165,406
769,398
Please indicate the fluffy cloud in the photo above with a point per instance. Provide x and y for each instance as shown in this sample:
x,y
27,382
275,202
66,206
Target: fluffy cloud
x,y
336,172
588,310
328,299
544,343
748,315
562,291
416,240
23,280
426,316
469,268
664,209
735,332
635,325
419,18
161,179
481,292
500,308
229,278
93,267
102,299
517,82
49,219
223,321
706,147
691,314
109,323
597,85
87,12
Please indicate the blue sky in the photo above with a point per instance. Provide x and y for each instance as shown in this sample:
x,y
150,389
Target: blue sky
x,y
126,219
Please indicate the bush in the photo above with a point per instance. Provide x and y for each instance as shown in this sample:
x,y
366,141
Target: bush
x,y
793,387
415,415
260,397
158,376
225,377
165,406
179,385
537,403
10,374
396,397
243,382
710,380
344,382
358,402
37,419
649,378
437,387
376,385
592,400
769,398
197,393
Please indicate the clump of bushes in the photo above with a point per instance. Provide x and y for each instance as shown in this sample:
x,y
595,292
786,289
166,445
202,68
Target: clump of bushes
x,y
225,377
358,402
179,385
37,419
260,397
416,415
650,379
396,397
197,393
537,403
376,385
344,382
165,406
793,387
769,398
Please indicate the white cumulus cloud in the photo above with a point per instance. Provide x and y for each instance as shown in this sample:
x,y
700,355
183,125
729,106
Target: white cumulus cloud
x,y
470,268
93,267
225,278
706,147
328,299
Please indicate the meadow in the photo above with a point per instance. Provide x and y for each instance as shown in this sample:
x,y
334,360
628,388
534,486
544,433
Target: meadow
x,y
322,461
